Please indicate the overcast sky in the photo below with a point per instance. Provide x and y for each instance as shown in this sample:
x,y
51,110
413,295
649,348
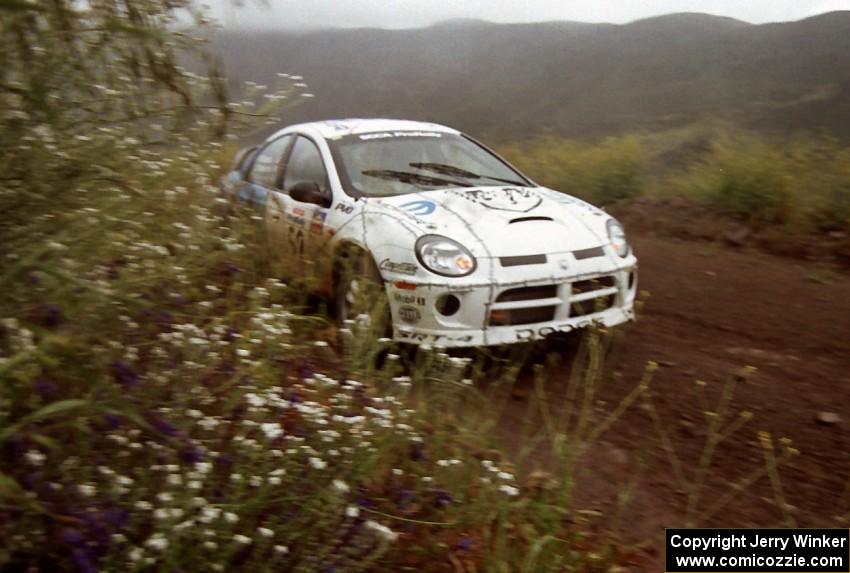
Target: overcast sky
x,y
414,13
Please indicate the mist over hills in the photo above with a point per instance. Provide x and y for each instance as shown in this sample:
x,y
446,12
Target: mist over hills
x,y
574,79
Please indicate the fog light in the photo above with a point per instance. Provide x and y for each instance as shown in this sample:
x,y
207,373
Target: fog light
x,y
447,304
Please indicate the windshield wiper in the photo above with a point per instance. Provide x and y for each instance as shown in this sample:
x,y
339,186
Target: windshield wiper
x,y
414,178
445,169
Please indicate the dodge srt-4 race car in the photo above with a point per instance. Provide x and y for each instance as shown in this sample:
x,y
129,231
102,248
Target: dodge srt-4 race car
x,y
463,248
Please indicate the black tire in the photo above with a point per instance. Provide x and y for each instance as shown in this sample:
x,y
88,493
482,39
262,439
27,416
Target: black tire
x,y
359,293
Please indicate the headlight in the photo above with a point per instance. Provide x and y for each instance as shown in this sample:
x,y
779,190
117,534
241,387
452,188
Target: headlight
x,y
617,238
444,256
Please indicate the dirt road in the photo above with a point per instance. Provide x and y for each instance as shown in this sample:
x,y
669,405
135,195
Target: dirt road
x,y
711,311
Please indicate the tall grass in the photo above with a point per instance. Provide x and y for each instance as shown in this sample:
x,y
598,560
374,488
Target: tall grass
x,y
801,181
604,172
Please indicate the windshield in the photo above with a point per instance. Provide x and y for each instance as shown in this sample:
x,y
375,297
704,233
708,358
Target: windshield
x,y
399,162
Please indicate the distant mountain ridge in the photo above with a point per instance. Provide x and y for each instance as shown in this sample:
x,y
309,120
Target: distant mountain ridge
x,y
568,78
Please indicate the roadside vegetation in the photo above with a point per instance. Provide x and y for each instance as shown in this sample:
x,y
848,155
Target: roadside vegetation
x,y
801,183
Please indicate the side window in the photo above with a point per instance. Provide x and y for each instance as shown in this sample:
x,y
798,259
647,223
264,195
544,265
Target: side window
x,y
264,170
305,164
242,159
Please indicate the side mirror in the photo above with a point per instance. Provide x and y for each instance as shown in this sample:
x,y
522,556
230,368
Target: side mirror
x,y
309,192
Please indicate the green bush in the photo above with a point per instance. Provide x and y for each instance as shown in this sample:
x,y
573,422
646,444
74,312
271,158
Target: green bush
x,y
824,187
605,172
801,181
747,179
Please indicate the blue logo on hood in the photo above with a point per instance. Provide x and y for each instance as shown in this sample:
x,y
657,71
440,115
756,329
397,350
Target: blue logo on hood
x,y
421,208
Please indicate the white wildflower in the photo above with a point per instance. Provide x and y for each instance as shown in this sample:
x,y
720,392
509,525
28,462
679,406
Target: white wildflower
x,y
509,490
272,430
35,457
87,489
157,541
382,531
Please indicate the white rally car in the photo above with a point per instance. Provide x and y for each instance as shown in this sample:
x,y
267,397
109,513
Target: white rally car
x,y
464,249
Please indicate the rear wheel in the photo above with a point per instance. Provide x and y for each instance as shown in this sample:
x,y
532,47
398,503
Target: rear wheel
x,y
360,295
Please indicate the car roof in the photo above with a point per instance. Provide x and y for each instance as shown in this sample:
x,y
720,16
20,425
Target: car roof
x,y
336,128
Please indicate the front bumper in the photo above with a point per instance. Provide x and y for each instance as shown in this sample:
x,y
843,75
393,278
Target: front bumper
x,y
510,309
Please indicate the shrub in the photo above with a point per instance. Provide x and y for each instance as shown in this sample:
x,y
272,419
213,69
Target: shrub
x,y
747,178
605,172
824,187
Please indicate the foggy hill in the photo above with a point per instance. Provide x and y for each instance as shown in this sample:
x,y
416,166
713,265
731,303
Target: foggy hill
x,y
575,79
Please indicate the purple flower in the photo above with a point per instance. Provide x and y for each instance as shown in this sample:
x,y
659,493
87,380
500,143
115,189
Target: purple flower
x,y
162,425
160,318
223,462
114,517
113,421
83,561
464,543
72,537
192,454
51,316
362,498
33,481
124,374
305,371
443,498
404,498
44,387
417,452
231,269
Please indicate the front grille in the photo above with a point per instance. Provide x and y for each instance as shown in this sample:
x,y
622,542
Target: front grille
x,y
538,304
595,303
592,305
522,260
518,316
536,311
594,284
528,293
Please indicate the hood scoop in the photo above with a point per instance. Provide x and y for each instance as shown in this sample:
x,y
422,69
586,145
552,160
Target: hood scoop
x,y
524,219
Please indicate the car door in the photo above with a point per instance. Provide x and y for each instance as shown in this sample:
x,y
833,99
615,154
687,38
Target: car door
x,y
306,220
262,181
262,176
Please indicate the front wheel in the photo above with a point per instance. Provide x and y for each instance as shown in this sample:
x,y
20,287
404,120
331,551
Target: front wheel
x,y
360,296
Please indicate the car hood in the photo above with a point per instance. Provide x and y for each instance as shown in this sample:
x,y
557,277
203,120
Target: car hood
x,y
504,221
